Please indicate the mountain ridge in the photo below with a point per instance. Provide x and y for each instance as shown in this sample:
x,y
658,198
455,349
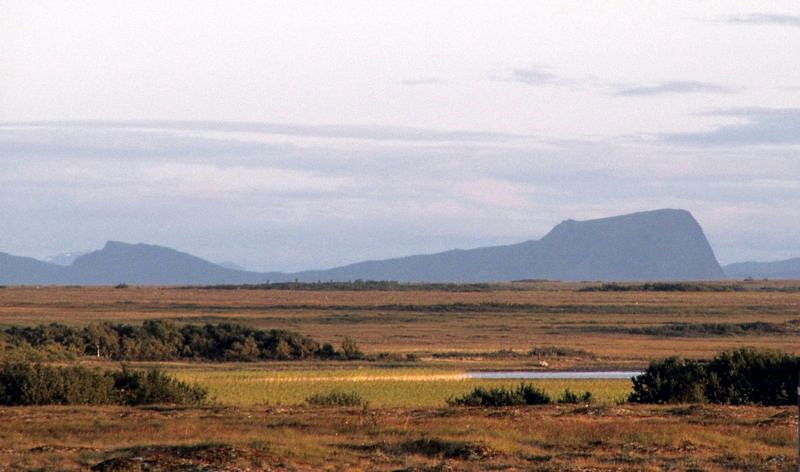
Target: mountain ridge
x,y
782,269
665,244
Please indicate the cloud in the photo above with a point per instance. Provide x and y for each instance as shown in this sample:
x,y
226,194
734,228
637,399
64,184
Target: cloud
x,y
375,133
771,126
765,19
671,87
537,76
422,81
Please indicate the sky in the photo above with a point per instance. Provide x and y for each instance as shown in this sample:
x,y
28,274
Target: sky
x,y
301,135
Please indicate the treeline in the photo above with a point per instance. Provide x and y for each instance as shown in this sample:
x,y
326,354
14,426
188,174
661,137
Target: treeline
x,y
157,340
36,384
356,285
663,287
700,329
741,377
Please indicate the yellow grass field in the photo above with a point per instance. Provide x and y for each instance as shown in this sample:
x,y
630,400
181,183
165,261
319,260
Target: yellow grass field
x,y
379,387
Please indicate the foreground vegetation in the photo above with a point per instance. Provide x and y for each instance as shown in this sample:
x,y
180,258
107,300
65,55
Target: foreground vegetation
x,y
306,438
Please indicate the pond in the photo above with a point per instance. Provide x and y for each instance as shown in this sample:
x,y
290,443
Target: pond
x,y
540,375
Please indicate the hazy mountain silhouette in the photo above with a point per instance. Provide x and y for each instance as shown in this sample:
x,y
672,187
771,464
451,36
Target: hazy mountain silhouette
x,y
147,264
26,270
788,269
653,245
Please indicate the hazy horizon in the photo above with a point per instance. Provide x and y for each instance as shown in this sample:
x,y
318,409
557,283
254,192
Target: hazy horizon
x,y
288,137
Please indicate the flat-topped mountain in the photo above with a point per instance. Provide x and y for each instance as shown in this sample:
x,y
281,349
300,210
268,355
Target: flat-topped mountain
x,y
652,245
788,269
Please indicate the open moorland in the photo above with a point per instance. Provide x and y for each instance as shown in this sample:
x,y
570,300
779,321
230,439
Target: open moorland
x,y
418,343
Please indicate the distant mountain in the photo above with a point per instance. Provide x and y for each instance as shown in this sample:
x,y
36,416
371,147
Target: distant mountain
x,y
788,269
15,270
65,258
653,245
147,264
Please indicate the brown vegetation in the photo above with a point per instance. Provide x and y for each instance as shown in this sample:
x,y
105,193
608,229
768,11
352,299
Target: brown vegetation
x,y
548,438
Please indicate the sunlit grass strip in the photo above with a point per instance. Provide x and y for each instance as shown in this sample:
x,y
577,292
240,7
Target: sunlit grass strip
x,y
378,387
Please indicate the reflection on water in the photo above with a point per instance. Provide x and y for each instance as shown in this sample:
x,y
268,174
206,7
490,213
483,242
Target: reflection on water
x,y
532,374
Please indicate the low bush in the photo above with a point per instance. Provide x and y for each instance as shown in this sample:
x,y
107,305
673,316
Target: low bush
x,y
336,399
524,394
574,398
154,386
37,384
556,351
743,376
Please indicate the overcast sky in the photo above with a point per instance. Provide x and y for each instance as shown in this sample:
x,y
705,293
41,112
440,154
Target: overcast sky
x,y
297,135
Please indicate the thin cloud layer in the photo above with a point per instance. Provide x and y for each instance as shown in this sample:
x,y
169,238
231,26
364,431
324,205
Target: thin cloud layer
x,y
765,19
762,126
538,76
671,87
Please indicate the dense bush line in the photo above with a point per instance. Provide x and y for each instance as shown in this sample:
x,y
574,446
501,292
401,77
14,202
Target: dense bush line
x,y
700,329
157,340
359,285
744,376
37,384
662,287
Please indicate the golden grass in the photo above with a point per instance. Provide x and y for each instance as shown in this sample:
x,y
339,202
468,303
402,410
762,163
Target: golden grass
x,y
379,387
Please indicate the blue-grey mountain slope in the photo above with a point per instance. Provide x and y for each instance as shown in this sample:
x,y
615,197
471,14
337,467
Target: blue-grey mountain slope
x,y
788,269
16,270
152,265
653,245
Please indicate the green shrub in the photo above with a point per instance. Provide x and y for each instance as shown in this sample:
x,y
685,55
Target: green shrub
x,y
336,399
671,380
574,398
524,394
154,386
748,376
743,376
37,384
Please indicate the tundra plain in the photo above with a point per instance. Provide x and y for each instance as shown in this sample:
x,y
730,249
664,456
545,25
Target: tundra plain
x,y
419,343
